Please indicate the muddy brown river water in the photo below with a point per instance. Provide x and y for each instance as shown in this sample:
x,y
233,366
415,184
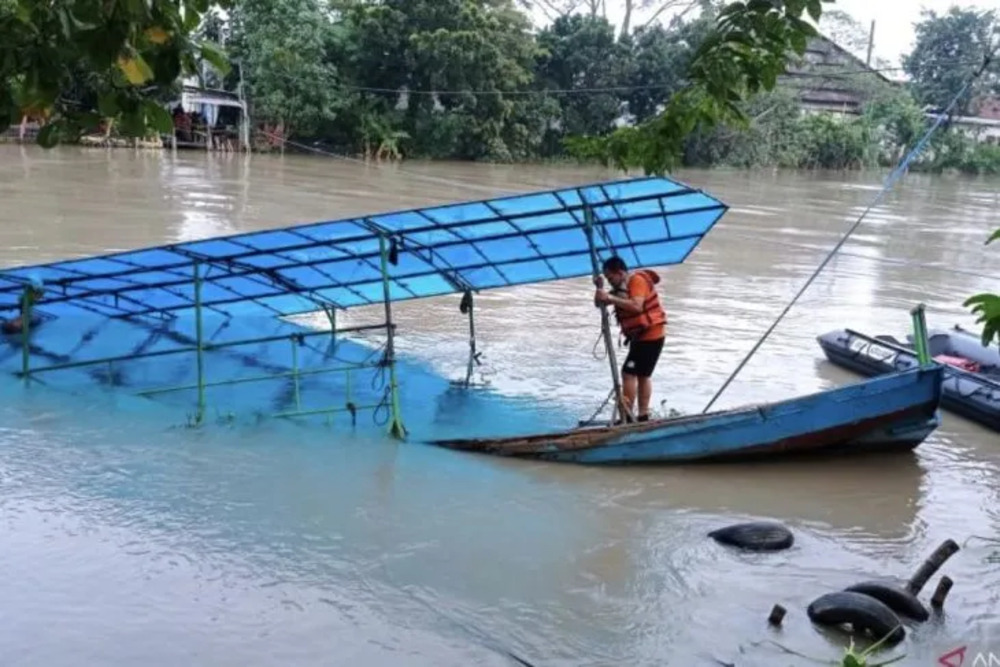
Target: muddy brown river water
x,y
123,544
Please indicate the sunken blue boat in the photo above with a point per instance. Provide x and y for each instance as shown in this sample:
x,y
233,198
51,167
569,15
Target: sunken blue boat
x,y
893,412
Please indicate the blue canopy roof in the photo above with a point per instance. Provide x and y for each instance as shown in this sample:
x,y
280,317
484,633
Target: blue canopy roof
x,y
477,245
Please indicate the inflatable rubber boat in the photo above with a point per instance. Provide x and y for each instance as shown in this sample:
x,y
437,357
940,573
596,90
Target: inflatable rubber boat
x,y
972,371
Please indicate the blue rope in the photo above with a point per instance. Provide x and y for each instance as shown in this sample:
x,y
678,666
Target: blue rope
x,y
892,178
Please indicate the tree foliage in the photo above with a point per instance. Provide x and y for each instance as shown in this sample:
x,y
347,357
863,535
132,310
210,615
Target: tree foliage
x,y
282,50
987,306
126,55
743,55
949,48
658,60
435,53
581,52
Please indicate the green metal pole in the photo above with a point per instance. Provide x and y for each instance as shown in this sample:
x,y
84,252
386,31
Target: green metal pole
x,y
295,373
199,344
331,315
26,304
396,428
920,342
620,407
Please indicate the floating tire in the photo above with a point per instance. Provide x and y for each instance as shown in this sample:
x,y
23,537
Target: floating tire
x,y
755,536
863,612
896,598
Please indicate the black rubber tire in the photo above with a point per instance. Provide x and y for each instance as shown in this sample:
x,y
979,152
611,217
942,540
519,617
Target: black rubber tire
x,y
755,536
896,598
863,612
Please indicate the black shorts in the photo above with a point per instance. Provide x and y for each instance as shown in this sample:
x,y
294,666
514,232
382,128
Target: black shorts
x,y
642,357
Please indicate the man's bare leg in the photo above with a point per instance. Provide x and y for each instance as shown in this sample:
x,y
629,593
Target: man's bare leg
x,y
645,394
628,392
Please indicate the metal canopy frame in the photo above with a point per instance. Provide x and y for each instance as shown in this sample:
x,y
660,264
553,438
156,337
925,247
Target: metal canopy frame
x,y
362,261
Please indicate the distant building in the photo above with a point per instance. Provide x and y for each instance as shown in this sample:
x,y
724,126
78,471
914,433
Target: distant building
x,y
207,118
987,106
983,125
977,128
831,79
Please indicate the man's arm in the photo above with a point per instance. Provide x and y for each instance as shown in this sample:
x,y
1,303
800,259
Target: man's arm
x,y
632,305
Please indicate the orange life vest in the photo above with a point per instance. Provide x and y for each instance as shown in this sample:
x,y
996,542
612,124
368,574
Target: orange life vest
x,y
633,325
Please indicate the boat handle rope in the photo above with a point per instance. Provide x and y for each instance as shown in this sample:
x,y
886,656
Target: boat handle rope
x,y
890,181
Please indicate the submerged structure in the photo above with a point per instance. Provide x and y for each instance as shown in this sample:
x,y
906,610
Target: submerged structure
x,y
204,325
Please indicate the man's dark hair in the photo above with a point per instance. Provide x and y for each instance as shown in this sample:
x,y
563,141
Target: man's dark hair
x,y
614,263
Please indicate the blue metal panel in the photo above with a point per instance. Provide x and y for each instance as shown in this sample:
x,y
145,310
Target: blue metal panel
x,y
479,245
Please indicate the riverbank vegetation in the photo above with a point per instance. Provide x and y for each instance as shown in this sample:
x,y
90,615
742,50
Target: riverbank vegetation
x,y
470,80
476,80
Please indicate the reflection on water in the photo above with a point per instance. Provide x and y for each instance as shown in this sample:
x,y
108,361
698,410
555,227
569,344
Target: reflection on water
x,y
128,544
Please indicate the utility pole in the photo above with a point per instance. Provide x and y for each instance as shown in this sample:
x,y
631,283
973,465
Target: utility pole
x,y
871,43
245,117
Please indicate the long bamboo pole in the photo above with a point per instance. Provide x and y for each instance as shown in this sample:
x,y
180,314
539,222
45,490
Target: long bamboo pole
x,y
620,407
472,340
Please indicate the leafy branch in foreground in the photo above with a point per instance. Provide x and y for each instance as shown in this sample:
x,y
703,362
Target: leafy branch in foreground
x,y
745,54
62,59
987,306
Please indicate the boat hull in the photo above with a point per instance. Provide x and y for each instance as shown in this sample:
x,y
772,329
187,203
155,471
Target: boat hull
x,y
889,413
975,396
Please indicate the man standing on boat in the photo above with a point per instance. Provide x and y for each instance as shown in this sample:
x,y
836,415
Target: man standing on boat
x,y
643,324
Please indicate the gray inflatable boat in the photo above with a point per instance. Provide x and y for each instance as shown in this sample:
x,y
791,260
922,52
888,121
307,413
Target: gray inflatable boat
x,y
972,371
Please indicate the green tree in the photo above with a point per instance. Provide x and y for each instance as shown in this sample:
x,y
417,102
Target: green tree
x,y
281,46
747,50
214,30
658,61
458,66
949,47
581,52
127,55
773,137
898,122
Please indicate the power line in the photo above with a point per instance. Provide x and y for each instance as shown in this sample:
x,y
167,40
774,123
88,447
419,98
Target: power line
x,y
812,73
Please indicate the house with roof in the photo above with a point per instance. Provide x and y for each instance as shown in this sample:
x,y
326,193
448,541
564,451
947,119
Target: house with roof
x,y
828,78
